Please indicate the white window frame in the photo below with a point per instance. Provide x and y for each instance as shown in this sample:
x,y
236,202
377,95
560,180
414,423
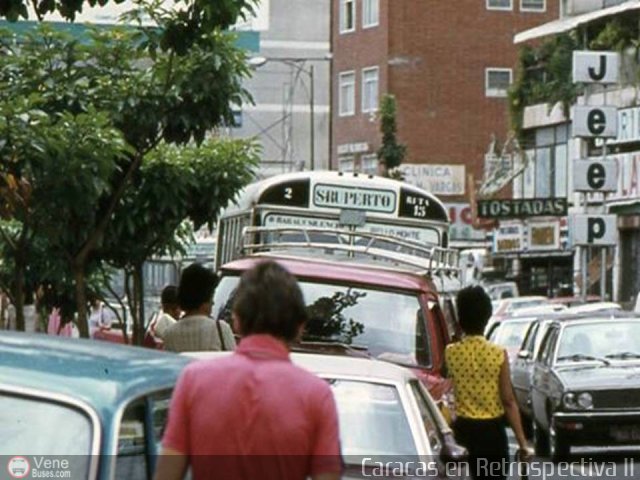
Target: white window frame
x,y
535,10
365,108
346,73
495,93
343,18
504,9
364,16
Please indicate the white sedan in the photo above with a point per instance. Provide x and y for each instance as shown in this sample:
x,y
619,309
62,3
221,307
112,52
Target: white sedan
x,y
384,413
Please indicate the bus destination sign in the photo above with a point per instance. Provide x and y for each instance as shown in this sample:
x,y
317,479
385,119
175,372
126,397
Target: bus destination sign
x,y
421,207
354,198
290,194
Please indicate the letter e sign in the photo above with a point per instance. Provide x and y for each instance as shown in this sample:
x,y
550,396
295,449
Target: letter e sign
x,y
595,121
595,175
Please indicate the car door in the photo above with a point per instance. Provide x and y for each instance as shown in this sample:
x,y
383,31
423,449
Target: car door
x,y
139,435
541,381
522,367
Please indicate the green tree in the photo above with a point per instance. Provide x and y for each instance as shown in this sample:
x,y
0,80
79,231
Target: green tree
x,y
124,80
178,29
175,184
391,153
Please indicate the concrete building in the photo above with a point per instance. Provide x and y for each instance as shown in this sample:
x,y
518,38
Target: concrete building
x,y
449,65
552,147
290,86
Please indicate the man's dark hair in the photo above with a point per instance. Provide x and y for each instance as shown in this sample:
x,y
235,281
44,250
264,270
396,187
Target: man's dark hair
x,y
474,309
197,285
269,300
169,295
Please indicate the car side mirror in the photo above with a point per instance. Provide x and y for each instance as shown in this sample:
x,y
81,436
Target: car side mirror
x,y
524,354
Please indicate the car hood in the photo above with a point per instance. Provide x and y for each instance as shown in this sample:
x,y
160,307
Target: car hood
x,y
600,377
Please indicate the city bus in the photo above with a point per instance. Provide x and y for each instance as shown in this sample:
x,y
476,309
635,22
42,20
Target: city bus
x,y
370,255
329,200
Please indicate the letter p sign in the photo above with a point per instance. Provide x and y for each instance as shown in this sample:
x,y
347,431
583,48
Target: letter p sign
x,y
594,230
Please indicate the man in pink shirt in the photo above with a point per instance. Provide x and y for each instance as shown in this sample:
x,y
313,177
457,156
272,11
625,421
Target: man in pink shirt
x,y
254,414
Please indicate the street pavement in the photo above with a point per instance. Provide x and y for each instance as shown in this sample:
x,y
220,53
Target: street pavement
x,y
584,463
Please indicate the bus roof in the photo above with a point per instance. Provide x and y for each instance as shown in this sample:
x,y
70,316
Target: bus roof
x,y
258,192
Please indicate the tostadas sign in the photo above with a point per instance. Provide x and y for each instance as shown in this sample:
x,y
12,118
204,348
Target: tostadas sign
x,y
522,208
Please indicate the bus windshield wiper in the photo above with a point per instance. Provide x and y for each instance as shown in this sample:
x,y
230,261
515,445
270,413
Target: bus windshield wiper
x,y
623,355
577,357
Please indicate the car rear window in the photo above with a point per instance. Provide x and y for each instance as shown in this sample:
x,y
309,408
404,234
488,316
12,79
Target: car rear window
x,y
31,426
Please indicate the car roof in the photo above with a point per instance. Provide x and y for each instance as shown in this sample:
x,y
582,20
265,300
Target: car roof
x,y
340,272
99,373
336,365
597,317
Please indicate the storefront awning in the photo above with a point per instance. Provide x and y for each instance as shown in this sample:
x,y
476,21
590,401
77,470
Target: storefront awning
x,y
567,24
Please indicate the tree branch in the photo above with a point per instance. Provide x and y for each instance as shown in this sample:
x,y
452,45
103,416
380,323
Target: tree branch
x,y
8,239
35,9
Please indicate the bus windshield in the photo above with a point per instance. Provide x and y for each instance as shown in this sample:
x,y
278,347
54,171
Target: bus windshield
x,y
389,325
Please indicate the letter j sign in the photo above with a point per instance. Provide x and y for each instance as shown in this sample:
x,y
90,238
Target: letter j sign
x,y
596,67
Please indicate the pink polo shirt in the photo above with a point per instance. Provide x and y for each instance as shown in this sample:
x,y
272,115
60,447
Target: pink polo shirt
x,y
254,415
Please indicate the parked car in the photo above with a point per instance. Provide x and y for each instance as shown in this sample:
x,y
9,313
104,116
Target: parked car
x,y
391,314
100,405
509,306
509,333
384,413
584,387
595,307
502,290
522,366
574,301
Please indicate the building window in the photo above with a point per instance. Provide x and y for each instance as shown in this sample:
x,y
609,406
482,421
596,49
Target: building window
x,y
369,164
546,175
499,5
346,163
347,16
370,13
533,5
370,90
497,82
347,98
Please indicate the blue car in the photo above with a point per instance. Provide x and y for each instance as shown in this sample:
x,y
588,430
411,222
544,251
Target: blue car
x,y
86,409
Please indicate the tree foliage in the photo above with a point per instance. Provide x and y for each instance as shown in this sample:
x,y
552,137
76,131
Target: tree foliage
x,y
178,28
81,115
391,153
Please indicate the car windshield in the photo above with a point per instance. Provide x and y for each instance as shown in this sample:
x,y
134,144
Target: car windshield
x,y
509,334
372,420
390,325
30,426
608,340
526,304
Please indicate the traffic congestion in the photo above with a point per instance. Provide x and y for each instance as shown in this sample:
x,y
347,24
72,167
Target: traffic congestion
x,y
381,310
319,239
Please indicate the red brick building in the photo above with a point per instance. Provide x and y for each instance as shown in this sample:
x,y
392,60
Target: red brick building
x,y
448,63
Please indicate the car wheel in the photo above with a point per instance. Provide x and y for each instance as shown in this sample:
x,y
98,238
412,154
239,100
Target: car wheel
x,y
540,440
559,448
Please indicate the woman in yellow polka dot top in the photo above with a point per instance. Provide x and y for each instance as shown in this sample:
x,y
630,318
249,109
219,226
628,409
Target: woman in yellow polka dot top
x,y
482,389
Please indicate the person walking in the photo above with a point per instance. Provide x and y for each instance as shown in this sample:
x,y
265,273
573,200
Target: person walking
x,y
482,389
196,331
254,414
167,316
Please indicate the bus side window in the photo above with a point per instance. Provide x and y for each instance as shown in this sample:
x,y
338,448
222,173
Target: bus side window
x,y
439,325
